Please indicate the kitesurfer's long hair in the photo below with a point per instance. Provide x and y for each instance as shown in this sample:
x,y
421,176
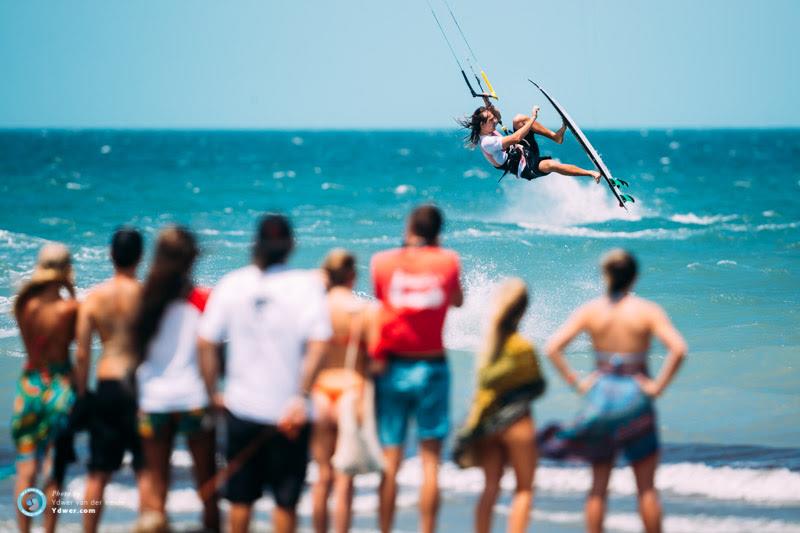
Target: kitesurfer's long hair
x,y
170,278
475,123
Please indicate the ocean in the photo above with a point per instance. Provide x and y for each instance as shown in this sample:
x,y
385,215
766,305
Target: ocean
x,y
716,227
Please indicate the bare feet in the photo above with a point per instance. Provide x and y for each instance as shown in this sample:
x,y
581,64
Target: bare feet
x,y
596,175
559,138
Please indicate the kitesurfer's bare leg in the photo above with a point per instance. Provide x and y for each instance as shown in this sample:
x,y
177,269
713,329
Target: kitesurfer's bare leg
x,y
549,165
555,136
519,121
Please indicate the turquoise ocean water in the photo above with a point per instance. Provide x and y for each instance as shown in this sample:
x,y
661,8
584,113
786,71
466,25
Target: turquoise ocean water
x,y
716,227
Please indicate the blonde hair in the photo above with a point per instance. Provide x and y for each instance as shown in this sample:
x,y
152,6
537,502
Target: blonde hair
x,y
53,265
339,267
509,307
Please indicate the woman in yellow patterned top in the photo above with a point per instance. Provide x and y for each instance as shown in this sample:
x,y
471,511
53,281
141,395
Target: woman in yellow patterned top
x,y
499,429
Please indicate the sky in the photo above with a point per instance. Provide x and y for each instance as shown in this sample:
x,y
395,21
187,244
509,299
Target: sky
x,y
353,64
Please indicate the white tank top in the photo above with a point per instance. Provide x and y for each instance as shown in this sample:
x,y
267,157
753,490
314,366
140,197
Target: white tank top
x,y
169,379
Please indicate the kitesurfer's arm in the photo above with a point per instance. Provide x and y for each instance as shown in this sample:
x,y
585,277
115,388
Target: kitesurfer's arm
x,y
520,134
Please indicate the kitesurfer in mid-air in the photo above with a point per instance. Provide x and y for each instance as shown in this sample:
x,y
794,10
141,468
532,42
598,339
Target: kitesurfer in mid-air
x,y
518,153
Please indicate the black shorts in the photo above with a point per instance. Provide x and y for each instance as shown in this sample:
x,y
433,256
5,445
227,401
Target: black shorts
x,y
533,157
531,171
63,455
258,455
113,427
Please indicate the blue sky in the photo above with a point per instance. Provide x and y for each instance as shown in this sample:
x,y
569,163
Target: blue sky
x,y
375,64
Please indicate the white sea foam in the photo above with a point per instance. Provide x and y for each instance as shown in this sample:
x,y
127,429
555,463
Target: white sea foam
x,y
6,304
54,221
700,220
91,253
465,324
563,201
700,523
8,332
476,172
404,189
19,241
726,262
777,227
578,231
754,487
666,190
475,233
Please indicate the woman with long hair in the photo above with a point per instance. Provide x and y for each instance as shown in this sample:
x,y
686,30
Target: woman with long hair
x,y
172,397
517,153
338,376
618,414
499,429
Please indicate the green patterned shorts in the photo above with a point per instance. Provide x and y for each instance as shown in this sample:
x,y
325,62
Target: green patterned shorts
x,y
41,409
152,425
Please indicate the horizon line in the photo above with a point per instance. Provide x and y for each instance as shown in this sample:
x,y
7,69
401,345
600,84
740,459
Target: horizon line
x,y
379,129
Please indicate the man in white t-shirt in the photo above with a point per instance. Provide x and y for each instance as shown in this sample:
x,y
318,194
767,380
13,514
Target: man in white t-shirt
x,y
276,325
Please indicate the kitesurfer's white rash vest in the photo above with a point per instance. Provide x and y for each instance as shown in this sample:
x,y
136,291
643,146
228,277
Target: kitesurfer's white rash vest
x,y
492,148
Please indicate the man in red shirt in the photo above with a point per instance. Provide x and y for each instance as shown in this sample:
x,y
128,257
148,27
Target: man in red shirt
x,y
415,285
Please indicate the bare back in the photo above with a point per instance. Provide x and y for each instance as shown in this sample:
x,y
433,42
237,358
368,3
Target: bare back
x,y
111,309
622,326
348,316
47,327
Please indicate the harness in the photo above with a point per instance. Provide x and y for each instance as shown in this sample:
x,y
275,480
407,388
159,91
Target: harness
x,y
518,157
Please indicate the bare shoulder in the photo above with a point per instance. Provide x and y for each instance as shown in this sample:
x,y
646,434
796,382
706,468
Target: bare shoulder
x,y
92,297
591,306
70,307
647,307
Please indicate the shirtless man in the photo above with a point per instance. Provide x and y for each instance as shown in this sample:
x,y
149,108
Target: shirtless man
x,y
44,391
110,309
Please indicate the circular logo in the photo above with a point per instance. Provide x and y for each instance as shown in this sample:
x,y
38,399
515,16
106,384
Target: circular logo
x,y
31,502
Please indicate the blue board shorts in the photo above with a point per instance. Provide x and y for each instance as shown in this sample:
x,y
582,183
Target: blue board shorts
x,y
413,387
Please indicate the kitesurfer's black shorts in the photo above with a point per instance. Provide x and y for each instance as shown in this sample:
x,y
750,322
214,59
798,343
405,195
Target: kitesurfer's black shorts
x,y
533,157
532,171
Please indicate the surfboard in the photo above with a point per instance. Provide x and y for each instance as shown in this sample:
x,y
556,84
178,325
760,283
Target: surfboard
x,y
612,182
